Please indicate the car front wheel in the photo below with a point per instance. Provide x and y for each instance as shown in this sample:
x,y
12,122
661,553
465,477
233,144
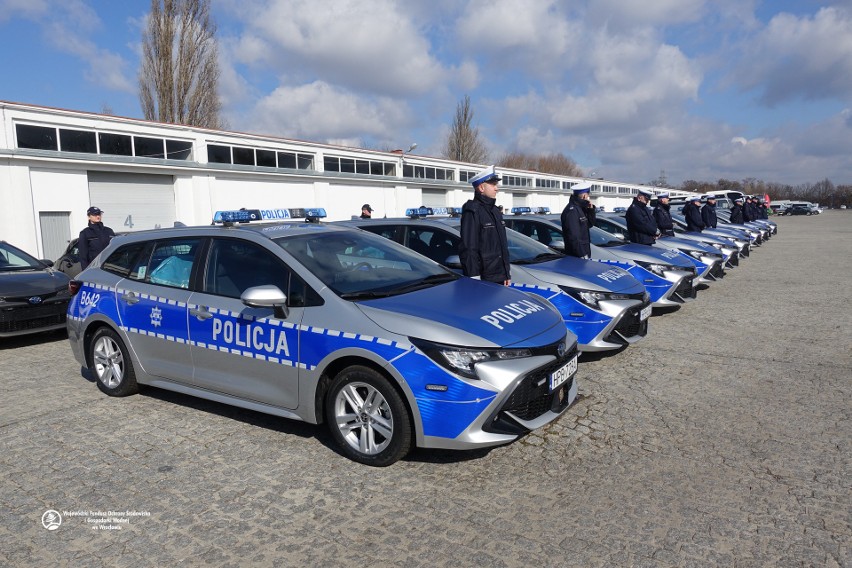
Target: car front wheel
x,y
110,363
367,417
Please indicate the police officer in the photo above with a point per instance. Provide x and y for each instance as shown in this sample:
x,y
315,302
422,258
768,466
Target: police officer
x,y
94,238
576,218
692,213
763,210
484,250
641,226
366,211
708,213
663,216
737,211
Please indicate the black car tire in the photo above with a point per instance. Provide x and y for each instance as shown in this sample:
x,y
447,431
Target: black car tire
x,y
109,362
367,417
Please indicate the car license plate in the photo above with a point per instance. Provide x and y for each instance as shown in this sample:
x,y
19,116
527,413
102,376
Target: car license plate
x,y
563,373
645,313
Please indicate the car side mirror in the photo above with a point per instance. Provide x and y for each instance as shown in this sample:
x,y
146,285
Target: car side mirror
x,y
453,261
46,262
266,296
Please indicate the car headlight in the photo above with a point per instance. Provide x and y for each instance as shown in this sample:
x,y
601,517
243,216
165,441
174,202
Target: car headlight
x,y
591,298
655,267
463,360
696,254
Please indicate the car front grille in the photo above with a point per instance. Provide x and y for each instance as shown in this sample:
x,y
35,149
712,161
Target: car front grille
x,y
629,326
27,318
532,398
685,288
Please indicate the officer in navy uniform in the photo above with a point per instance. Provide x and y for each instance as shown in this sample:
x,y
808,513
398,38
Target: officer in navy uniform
x,y
576,219
749,214
663,216
641,226
484,250
708,213
737,211
692,213
94,238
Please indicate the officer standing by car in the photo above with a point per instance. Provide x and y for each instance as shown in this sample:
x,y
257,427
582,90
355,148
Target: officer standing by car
x,y
708,213
641,226
576,219
94,238
484,249
692,213
366,211
663,216
737,211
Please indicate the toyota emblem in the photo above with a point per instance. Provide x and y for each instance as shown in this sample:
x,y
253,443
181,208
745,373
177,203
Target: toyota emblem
x,y
561,349
35,300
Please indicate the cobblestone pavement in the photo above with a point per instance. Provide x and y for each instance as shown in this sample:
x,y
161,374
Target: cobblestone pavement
x,y
722,439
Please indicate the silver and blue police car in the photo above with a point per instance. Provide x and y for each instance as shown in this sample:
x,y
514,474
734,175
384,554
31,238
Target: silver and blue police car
x,y
667,276
604,306
323,324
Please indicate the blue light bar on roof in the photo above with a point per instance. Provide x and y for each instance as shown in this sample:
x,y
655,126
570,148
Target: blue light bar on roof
x,y
416,212
520,210
541,210
450,211
237,216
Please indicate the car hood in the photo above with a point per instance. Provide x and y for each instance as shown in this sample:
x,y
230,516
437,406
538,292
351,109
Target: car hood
x,y
689,244
31,283
647,253
585,274
470,313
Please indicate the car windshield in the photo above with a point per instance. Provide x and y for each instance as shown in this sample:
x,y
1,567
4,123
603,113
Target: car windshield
x,y
359,265
522,249
13,259
601,238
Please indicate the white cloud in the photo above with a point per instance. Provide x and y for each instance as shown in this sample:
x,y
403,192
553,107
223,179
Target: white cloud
x,y
367,46
800,58
319,111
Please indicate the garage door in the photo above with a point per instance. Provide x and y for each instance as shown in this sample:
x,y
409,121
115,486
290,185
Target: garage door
x,y
132,202
433,198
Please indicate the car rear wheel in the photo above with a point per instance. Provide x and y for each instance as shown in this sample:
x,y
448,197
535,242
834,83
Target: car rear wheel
x,y
367,417
110,364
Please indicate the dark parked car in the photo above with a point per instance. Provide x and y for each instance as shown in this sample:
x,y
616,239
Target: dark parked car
x,y
799,209
33,296
69,262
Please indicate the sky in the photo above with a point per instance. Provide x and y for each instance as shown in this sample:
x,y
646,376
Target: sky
x,y
631,90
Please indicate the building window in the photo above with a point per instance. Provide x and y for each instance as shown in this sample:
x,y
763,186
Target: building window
x,y
465,175
306,161
77,141
243,156
148,147
347,165
36,137
218,154
178,149
115,144
265,158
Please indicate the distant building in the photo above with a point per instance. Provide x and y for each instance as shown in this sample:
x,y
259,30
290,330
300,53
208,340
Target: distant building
x,y
55,163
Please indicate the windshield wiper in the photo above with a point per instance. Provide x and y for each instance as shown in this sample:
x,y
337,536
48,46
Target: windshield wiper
x,y
425,282
541,257
365,295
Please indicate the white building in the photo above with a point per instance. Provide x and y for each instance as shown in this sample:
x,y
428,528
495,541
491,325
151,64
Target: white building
x,y
55,163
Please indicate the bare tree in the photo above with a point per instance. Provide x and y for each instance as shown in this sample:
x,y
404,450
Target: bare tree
x,y
178,81
463,142
558,164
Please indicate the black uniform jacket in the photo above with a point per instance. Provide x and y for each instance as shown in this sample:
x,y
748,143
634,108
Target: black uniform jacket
x,y
641,226
576,219
663,217
694,222
737,214
708,215
483,250
93,239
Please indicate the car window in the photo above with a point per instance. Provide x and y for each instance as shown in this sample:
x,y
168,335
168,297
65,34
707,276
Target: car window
x,y
233,266
12,259
392,232
435,244
169,264
356,262
537,231
124,258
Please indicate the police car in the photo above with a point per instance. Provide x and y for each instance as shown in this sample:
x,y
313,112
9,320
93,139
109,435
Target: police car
x,y
603,305
666,275
323,324
709,260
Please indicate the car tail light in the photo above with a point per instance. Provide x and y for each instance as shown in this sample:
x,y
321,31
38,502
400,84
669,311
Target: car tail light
x,y
74,286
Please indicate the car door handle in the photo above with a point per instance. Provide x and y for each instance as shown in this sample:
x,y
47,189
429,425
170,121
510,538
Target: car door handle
x,y
201,313
130,298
